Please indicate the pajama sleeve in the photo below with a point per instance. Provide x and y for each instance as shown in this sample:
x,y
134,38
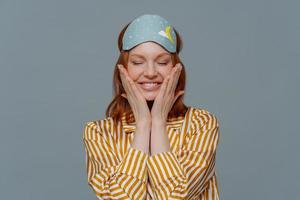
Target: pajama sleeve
x,y
185,174
109,175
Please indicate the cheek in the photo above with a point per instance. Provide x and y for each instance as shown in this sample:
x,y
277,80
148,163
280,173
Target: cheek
x,y
133,73
166,72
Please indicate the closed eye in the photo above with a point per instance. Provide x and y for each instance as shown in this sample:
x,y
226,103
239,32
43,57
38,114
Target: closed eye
x,y
137,63
162,63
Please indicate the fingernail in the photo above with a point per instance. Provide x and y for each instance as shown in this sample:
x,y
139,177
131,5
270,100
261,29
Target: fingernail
x,y
120,68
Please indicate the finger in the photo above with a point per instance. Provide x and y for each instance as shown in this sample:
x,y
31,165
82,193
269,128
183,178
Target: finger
x,y
169,84
126,83
136,91
123,79
130,84
176,77
164,86
181,92
172,80
139,90
131,87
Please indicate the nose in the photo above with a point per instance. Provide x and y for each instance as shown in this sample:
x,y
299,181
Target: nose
x,y
150,71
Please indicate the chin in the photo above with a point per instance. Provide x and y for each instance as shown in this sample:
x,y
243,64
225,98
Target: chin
x,y
150,96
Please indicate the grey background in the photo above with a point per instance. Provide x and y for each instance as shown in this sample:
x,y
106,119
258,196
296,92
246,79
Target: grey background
x,y
57,58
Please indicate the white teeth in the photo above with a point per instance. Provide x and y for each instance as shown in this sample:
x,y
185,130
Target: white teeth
x,y
149,84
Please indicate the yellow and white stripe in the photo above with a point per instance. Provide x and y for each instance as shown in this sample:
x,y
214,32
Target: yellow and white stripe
x,y
115,170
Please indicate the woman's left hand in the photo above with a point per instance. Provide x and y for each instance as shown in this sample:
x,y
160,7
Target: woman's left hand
x,y
166,97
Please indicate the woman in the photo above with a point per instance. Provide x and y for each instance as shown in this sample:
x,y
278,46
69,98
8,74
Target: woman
x,y
150,145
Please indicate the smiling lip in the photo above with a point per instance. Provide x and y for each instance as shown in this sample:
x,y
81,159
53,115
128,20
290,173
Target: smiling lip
x,y
150,86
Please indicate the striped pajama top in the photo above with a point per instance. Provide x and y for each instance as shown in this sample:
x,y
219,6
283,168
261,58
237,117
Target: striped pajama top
x,y
115,170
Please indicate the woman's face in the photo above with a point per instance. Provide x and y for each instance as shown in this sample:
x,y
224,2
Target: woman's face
x,y
148,66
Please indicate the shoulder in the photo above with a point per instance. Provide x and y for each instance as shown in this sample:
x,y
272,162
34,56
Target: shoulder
x,y
201,117
97,127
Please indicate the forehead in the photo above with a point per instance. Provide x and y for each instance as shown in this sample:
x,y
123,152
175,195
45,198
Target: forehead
x,y
139,55
148,49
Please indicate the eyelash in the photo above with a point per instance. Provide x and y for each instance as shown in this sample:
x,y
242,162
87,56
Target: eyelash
x,y
163,63
135,63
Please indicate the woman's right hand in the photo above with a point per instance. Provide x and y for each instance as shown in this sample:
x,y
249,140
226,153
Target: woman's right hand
x,y
135,98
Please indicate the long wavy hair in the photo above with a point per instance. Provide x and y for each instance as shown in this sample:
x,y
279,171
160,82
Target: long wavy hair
x,y
120,105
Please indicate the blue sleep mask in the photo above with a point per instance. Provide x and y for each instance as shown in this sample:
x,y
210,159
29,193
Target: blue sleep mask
x,y
150,27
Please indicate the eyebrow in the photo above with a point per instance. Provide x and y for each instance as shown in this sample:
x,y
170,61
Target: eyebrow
x,y
159,55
